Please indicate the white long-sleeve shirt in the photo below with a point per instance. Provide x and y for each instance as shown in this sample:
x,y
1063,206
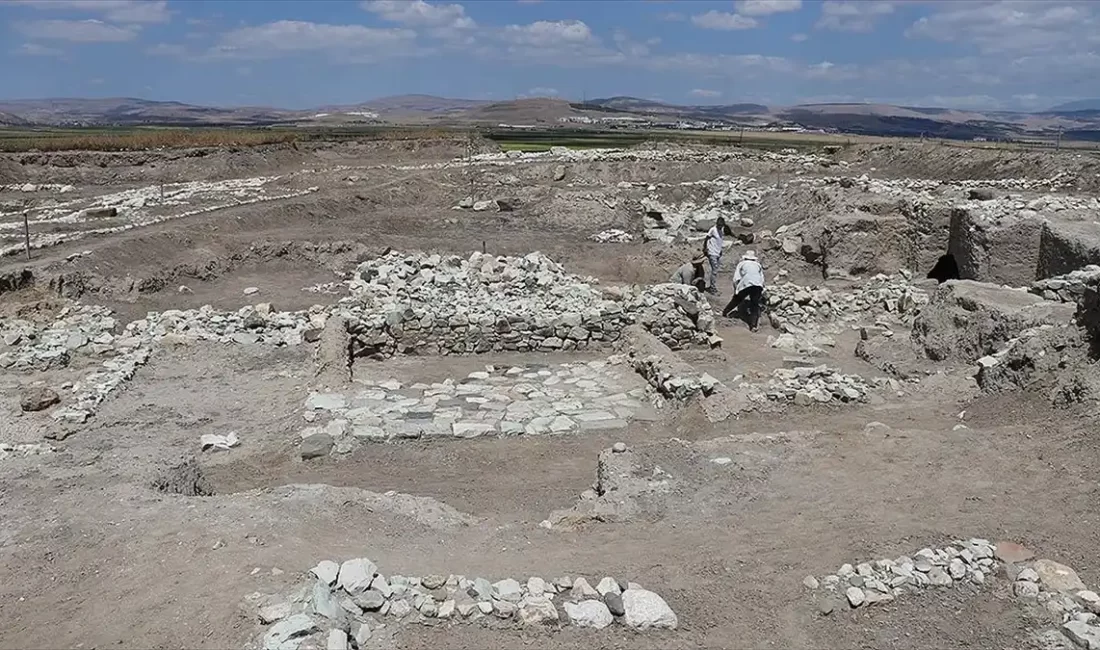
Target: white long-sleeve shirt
x,y
749,273
714,241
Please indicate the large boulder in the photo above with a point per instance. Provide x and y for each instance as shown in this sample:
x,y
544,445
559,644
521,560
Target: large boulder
x,y
1005,251
966,320
1065,246
861,243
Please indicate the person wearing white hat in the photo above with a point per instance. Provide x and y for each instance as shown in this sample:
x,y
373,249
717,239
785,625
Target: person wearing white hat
x,y
748,282
692,274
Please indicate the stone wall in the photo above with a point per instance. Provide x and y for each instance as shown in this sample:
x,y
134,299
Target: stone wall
x,y
966,320
670,375
428,304
1069,287
1066,246
1004,250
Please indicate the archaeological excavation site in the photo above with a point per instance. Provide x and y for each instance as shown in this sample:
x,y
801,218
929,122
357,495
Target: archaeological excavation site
x,y
427,394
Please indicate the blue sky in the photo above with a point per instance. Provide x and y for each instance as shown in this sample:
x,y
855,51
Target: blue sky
x,y
979,54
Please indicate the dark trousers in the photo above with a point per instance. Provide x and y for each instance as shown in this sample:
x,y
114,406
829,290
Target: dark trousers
x,y
753,294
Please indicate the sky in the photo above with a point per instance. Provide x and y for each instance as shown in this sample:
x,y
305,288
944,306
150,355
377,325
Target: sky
x,y
967,54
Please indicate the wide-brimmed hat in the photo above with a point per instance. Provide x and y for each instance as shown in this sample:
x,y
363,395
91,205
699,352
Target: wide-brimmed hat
x,y
748,255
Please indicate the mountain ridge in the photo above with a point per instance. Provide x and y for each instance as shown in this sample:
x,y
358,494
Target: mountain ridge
x,y
857,118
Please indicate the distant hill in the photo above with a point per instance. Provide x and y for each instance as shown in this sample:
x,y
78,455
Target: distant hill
x,y
634,104
7,119
410,105
1079,105
131,111
874,119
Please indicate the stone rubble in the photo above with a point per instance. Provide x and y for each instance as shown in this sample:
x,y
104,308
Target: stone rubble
x,y
689,222
1069,287
793,308
612,236
429,304
81,329
131,206
1054,586
23,450
534,399
805,386
354,598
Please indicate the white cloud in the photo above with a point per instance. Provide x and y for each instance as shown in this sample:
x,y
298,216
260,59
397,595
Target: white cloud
x,y
37,49
417,13
284,37
703,92
76,31
723,21
766,7
799,38
118,11
542,92
166,49
853,15
546,33
996,27
673,17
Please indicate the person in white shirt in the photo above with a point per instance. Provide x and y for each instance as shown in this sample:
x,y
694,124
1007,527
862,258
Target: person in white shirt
x,y
712,248
748,282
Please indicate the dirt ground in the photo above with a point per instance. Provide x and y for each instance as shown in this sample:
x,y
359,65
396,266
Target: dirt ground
x,y
96,557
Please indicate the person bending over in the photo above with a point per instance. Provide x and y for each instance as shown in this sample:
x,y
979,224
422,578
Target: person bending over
x,y
748,283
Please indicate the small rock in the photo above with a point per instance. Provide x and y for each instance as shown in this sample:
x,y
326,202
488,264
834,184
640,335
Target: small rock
x,y
337,640
1058,577
608,585
582,590
433,581
362,635
646,610
1025,589
400,608
618,447
536,586
38,399
275,612
855,596
281,633
326,572
614,603
503,609
507,590
316,445
1084,635
537,611
370,600
810,582
589,613
485,607
249,291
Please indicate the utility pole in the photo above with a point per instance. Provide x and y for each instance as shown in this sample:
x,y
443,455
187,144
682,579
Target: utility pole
x,y
27,229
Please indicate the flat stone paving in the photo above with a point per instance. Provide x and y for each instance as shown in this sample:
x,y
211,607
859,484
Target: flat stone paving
x,y
532,399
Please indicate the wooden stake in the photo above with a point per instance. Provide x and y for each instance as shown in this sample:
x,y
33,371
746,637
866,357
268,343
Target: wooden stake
x,y
27,232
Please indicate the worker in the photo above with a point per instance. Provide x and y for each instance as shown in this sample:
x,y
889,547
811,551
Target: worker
x,y
712,248
748,282
692,274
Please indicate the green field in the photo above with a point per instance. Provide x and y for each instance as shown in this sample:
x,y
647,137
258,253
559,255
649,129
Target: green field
x,y
15,139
